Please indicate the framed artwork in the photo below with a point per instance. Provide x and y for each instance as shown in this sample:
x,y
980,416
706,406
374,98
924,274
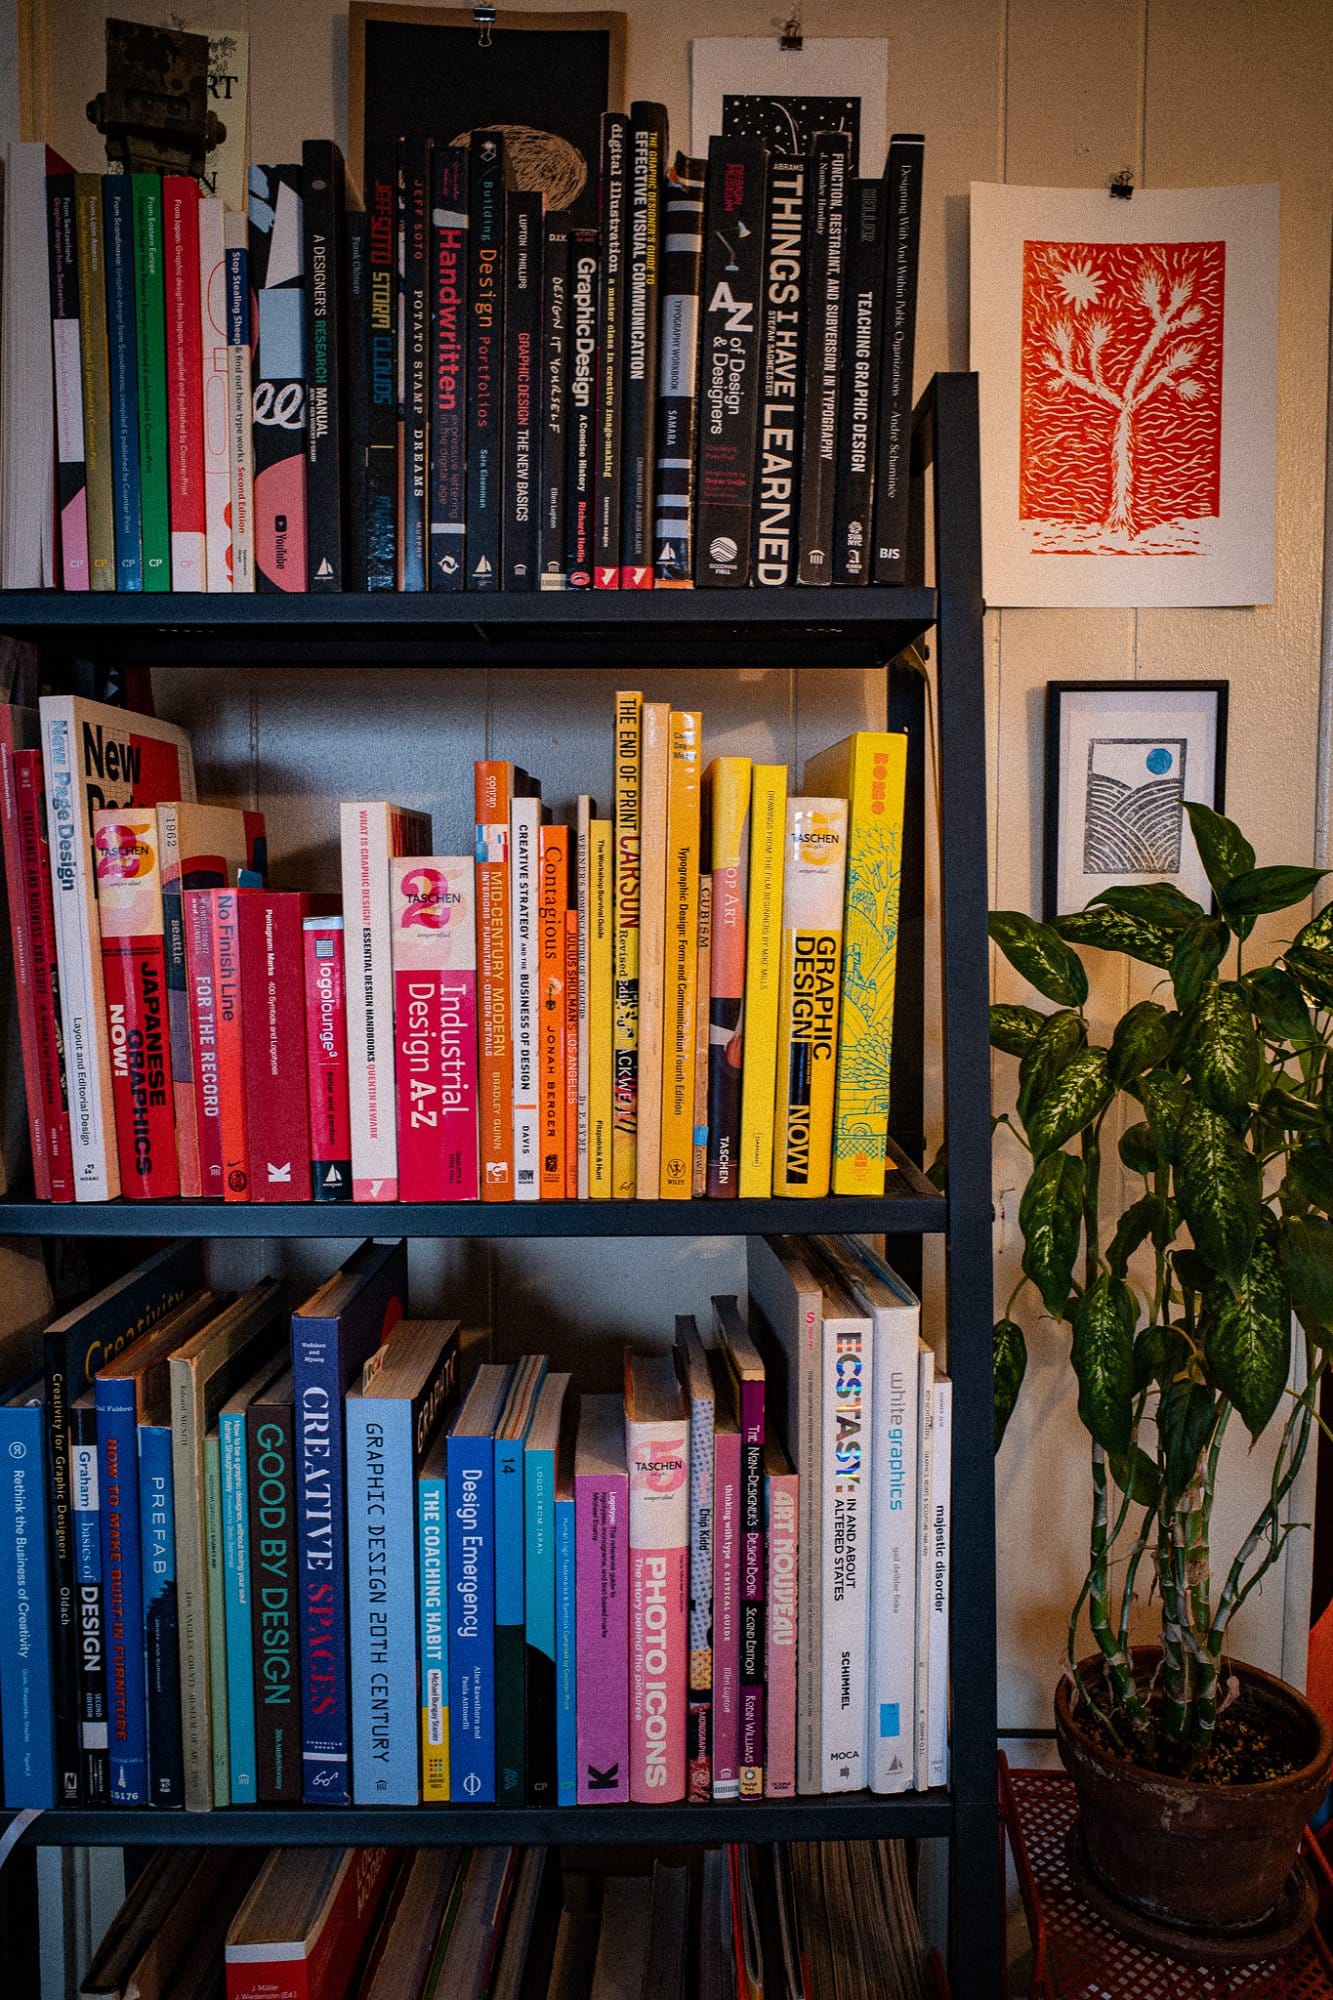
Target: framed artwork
x,y
544,80
749,85
1127,352
1122,757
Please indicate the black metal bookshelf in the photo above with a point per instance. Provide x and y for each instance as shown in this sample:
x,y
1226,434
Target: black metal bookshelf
x,y
809,627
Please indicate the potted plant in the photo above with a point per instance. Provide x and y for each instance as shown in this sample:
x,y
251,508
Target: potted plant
x,y
1195,1773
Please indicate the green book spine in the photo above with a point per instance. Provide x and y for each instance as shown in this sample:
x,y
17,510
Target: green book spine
x,y
151,332
217,1617
96,371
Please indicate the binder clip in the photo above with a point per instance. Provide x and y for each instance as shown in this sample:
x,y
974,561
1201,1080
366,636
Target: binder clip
x,y
789,33
1121,186
483,13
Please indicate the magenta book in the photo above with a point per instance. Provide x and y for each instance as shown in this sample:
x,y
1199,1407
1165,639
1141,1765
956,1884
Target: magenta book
x,y
783,1542
657,1447
432,909
601,1536
727,1509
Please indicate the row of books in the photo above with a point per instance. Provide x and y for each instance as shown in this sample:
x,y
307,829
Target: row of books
x,y
251,1555
810,1921
691,996
452,389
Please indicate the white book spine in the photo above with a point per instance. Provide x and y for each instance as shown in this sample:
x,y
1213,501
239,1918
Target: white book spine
x,y
848,1499
893,1554
366,847
925,1434
28,436
215,390
524,835
584,878
937,1707
240,445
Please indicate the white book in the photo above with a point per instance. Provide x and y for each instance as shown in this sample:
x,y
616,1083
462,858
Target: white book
x,y
240,443
941,1483
28,553
525,819
924,1467
849,1381
213,348
583,863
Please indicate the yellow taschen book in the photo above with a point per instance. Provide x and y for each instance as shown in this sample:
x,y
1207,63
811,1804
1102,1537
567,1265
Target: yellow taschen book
x,y
625,1006
763,946
601,846
813,880
654,782
680,984
870,770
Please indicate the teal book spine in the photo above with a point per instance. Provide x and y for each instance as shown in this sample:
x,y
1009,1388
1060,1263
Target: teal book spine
x,y
238,1610
434,1638
566,1680
539,1624
509,1623
151,344
216,1587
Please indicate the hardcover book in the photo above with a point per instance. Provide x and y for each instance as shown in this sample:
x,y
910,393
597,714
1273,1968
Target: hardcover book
x,y
485,440
151,364
277,286
241,1546
274,1635
216,391
471,1581
728,782
326,1059
677,395
601,867
324,197
601,1527
71,471
657,1449
413,353
746,1369
540,1467
27,1685
610,353
94,380
434,953
697,1382
902,194
730,351
88,1776
858,405
846,1513
702,994
305,1924
627,768
272,951
581,1051
511,1437
645,164
681,927
778,442
33,943
566,1614
763,969
224,929
134,974
356,237
553,1137
555,359
825,225
240,440
937,1687
122,352
381,385
525,817
433,1607
812,899
654,788
495,786
522,388
782,1486
185,406
447,304
581,418
725,1717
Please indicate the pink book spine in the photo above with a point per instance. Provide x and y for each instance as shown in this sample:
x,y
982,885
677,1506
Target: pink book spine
x,y
202,1002
601,1507
726,1614
434,952
783,1556
659,1583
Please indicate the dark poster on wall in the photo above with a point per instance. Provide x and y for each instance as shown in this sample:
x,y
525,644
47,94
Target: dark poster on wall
x,y
786,125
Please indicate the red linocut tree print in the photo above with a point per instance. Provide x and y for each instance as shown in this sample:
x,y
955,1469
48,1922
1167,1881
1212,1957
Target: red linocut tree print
x,y
1120,445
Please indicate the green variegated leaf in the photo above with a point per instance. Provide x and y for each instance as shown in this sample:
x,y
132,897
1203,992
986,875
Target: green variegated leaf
x,y
1217,1186
1141,1041
1059,1039
1247,1338
1149,1216
1160,904
1050,1216
1307,1258
1313,972
1223,848
1041,956
1110,930
1159,1353
1137,1151
1311,1175
1014,1029
1010,1354
1103,1355
1198,953
1193,1272
1221,1051
1317,935
1164,1098
1279,1003
1078,1095
1186,1414
1264,889
1137,1476
1293,1114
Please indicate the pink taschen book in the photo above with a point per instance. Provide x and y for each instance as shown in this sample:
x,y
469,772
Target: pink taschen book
x,y
657,1448
601,1541
433,914
784,1490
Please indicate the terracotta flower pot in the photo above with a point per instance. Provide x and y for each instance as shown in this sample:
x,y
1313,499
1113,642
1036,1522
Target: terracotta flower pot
x,y
1213,1858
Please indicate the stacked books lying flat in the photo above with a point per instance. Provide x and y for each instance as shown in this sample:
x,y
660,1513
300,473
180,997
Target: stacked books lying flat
x,y
452,389
812,1921
691,996
250,1555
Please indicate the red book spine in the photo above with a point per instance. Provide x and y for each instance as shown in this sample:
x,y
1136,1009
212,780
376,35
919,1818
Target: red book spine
x,y
274,1044
228,1002
32,932
552,907
134,982
326,1059
185,393
201,997
571,1055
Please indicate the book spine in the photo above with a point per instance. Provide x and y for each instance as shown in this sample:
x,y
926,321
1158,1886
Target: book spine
x,y
134,980
566,1662
27,1690
321,1531
903,174
601,1529
702,991
277,1116
471,1574
778,454
435,1021
555,346
539,1683
371,835
654,790
825,228
449,320
522,389
754,1588
90,1613
382,1633
381,553
201,994
326,1059
730,343
876,805
495,1054
552,905
485,438
644,168
356,243
726,1717
925,1427
66,360
524,848
572,1042
214,383
118,225
780,1668
844,1521
433,1625
118,1480
413,351
699,1743
763,965
678,404
610,354
625,1012
278,427
580,1052
812,895
215,1603
166,1767
82,1001
941,1516
185,409
273,1628
323,192
601,868
509,1625
238,1608
858,404
240,444
659,1563
894,1539
95,381
228,1003
33,936
581,412
151,361
729,782
682,957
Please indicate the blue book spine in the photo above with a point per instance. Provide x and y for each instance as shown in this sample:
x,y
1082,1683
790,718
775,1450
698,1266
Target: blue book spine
x,y
382,1608
471,1620
122,350
566,1750
162,1660
242,1756
432,1625
27,1680
118,1474
86,1536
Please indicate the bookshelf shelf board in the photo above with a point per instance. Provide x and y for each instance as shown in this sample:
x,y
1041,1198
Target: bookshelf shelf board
x,y
863,1816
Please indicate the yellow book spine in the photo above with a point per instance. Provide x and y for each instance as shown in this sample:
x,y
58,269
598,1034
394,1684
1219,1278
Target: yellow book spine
x,y
812,890
601,850
763,946
682,957
625,1042
654,785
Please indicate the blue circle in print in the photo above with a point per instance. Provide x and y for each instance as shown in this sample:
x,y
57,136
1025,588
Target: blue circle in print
x,y
1159,761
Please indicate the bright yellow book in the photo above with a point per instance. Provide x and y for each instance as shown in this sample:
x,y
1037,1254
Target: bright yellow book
x,y
813,881
654,785
682,957
601,847
625,1031
870,771
763,946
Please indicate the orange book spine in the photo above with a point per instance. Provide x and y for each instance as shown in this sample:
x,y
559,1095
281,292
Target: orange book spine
x,y
571,1054
225,908
552,946
495,1055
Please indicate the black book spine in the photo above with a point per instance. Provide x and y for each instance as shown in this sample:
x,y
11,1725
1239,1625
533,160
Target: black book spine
x,y
858,408
610,355
903,243
65,1663
647,152
278,429
413,171
485,436
269,1474
382,361
71,470
356,245
678,369
324,185
581,409
554,401
90,1608
448,367
778,443
522,387
730,347
826,208
162,1658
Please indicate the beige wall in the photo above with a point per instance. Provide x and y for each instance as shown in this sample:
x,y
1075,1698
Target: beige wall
x,y
1041,91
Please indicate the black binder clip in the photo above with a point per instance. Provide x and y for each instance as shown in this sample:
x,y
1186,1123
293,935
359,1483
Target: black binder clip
x,y
789,34
1121,185
483,13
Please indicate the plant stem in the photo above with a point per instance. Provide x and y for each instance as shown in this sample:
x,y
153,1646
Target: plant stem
x,y
1092,1175
1096,1590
